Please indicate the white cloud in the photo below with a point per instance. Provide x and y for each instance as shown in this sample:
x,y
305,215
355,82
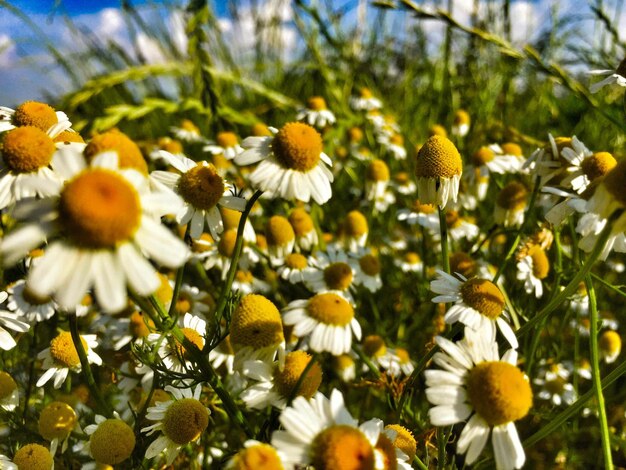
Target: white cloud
x,y
7,51
150,49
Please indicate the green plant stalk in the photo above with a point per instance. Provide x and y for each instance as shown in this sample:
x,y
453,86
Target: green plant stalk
x,y
443,229
223,300
370,365
86,368
595,371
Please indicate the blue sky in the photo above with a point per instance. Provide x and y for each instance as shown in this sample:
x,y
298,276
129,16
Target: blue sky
x,y
78,7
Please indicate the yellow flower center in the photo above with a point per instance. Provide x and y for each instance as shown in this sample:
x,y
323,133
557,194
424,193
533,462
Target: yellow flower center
x,y
7,385
27,149
316,103
342,447
68,136
365,93
510,148
261,242
34,299
599,164
482,156
185,420
34,113
386,449
453,219
614,182
226,139
301,222
417,206
483,296
404,440
165,292
297,146
355,134
343,362
258,457
338,276
296,261
463,264
128,152
330,309
541,264
261,130
374,346
377,171
512,197
397,139
170,145
189,126
499,392
295,364
245,277
112,442
278,231
184,303
201,187
461,117
194,337
140,326
556,386
99,209
56,421
226,245
438,158
610,342
356,224
401,177
437,130
256,322
203,244
370,265
62,349
33,457
403,355
412,258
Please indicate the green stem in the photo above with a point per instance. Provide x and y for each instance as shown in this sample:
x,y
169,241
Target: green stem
x,y
443,229
595,370
370,365
223,300
421,465
86,368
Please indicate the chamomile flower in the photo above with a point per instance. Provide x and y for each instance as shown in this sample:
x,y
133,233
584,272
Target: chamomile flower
x,y
615,77
303,228
403,184
275,386
355,230
344,367
421,214
280,237
376,179
459,227
187,132
394,144
376,349
223,354
173,354
9,394
12,321
327,319
438,170
100,228
533,268
492,392
56,422
511,204
180,421
461,124
410,262
493,159
227,145
203,191
322,433
33,456
111,441
478,304
36,114
316,113
27,305
293,268
256,456
403,440
247,283
332,270
369,269
365,101
585,167
553,383
610,345
61,357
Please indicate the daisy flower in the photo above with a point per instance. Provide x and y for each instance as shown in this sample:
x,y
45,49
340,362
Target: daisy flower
x,y
173,354
365,101
31,456
36,114
510,205
478,304
180,421
410,262
12,321
332,270
394,144
402,184
369,269
585,166
438,171
327,319
111,441
203,190
321,432
187,132
227,145
292,164
293,268
617,77
101,228
256,455
610,346
56,422
421,214
533,268
164,146
316,113
246,283
280,237
376,179
303,228
344,367
493,159
355,230
223,354
403,440
461,123
61,357
273,386
9,395
459,227
553,383
492,392
27,305
375,348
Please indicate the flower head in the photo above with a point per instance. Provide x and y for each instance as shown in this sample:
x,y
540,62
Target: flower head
x,y
438,170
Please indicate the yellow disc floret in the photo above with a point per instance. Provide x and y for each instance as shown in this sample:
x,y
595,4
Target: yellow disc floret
x,y
7,385
483,296
194,337
112,442
296,261
201,186
68,136
438,158
256,322
404,440
412,258
185,420
34,113
56,421
482,156
316,103
226,245
614,182
139,325
338,276
610,342
437,130
377,171
599,164
370,265
499,392
99,209
62,349
330,309
258,457
295,364
356,224
374,346
512,197
27,149
33,457
461,117
227,139
297,146
511,148
128,152
301,222
261,130
278,231
342,447
355,134
541,264
386,452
